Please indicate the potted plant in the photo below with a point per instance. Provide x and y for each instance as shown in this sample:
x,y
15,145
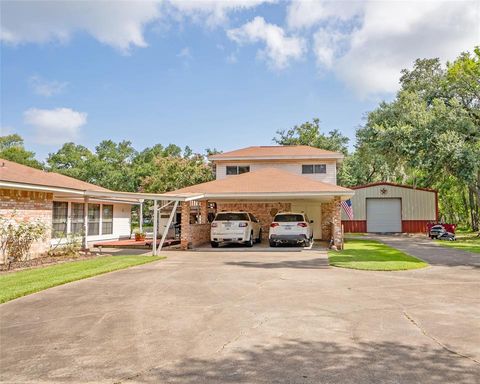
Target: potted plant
x,y
140,236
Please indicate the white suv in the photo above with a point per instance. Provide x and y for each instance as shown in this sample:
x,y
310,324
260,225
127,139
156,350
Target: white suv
x,y
235,227
290,227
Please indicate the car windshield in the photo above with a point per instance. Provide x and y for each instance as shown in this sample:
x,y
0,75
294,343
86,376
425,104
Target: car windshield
x,y
232,216
288,218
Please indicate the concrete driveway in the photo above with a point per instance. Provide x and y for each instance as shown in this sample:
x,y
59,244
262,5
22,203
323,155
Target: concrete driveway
x,y
256,317
431,251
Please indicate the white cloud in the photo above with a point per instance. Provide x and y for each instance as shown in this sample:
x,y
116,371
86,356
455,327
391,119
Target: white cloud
x,y
279,49
116,23
366,44
213,13
45,87
55,126
185,53
120,24
305,14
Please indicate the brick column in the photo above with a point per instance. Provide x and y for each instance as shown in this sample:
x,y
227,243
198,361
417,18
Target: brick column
x,y
337,222
185,226
326,221
203,212
332,222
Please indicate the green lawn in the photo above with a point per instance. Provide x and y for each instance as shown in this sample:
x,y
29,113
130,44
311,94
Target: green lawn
x,y
372,256
17,284
466,241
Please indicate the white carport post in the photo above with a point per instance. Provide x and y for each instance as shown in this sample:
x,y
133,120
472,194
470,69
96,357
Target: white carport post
x,y
170,219
155,228
85,223
140,218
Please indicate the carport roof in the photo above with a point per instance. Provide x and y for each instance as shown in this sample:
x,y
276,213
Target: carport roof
x,y
266,182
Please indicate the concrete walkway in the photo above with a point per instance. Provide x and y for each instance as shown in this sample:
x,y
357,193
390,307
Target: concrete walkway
x,y
256,317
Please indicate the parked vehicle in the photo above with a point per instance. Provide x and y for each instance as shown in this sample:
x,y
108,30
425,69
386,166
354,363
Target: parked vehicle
x,y
290,228
235,227
449,236
448,227
441,233
436,231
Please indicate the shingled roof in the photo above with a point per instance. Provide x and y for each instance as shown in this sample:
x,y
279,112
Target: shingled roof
x,y
18,173
270,152
264,181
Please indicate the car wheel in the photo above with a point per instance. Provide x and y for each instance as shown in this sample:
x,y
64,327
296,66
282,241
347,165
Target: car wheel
x,y
214,244
272,243
249,243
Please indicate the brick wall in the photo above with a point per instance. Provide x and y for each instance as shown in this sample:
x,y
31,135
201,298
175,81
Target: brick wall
x,y
331,222
264,211
199,234
29,205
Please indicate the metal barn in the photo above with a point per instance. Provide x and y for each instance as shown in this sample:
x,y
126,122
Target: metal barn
x,y
386,207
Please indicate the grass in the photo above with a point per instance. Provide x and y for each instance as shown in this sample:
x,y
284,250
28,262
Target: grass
x,y
466,241
17,284
372,255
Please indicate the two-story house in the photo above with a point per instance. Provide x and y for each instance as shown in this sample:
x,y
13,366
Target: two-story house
x,y
265,180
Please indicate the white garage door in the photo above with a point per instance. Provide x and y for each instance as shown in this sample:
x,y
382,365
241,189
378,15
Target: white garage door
x,y
384,215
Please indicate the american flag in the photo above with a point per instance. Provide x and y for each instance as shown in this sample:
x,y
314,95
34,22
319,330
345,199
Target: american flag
x,y
347,207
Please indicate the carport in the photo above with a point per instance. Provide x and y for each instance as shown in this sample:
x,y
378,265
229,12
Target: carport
x,y
160,202
264,193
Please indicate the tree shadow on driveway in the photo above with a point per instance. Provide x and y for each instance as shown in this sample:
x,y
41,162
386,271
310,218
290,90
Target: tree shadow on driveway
x,y
298,361
318,263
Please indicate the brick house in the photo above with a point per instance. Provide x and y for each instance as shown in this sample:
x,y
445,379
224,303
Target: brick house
x,y
264,180
65,204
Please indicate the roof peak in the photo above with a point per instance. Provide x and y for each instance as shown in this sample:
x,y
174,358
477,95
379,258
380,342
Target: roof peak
x,y
278,152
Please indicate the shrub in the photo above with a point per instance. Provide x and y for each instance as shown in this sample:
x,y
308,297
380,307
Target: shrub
x,y
17,237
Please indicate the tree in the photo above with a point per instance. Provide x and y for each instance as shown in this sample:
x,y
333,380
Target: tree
x,y
309,134
429,135
72,160
172,173
12,148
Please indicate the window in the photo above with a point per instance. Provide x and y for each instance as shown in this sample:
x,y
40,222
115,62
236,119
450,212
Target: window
x,y
253,218
314,168
107,219
237,170
93,219
77,218
232,216
288,218
59,219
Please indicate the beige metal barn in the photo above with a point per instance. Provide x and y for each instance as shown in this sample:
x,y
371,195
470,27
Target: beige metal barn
x,y
388,207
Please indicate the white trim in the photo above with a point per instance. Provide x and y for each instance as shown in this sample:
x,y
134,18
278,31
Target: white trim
x,y
146,196
277,194
33,187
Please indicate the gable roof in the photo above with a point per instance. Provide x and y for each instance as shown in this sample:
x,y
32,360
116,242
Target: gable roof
x,y
393,185
17,173
263,182
277,152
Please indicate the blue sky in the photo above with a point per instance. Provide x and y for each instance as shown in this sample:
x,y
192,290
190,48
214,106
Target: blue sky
x,y
210,74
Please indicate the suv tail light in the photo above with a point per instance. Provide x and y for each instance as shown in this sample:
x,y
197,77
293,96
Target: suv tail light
x,y
214,225
273,225
302,225
242,224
